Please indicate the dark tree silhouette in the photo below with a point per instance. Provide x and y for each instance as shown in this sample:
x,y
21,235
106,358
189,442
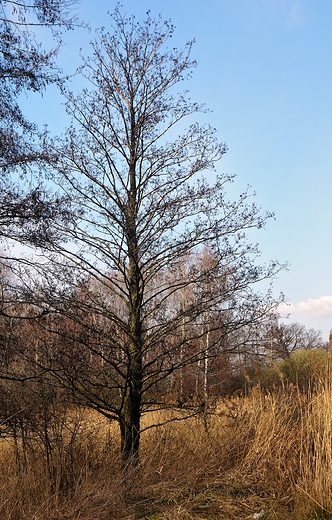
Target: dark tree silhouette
x,y
25,66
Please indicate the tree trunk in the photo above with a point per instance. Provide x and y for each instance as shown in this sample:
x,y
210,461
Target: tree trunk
x,y
206,365
131,411
130,425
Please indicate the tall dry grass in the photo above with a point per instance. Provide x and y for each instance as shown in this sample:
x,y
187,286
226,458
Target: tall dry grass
x,y
282,445
267,451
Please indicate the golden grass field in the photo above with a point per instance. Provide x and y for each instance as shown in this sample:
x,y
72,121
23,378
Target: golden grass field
x,y
266,455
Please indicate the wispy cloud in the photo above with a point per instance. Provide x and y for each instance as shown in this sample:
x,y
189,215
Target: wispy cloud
x,y
314,307
295,17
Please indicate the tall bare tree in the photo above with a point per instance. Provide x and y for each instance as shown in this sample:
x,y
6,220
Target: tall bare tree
x,y
142,209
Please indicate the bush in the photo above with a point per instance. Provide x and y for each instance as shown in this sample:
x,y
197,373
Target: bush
x,y
303,368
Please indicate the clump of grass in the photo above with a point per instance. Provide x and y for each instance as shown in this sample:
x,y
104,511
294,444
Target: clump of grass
x,y
61,480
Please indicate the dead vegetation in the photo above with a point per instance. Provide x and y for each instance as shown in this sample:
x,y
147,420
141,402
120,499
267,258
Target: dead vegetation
x,y
266,455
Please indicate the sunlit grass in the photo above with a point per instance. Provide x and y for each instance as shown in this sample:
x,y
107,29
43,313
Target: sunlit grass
x,y
268,454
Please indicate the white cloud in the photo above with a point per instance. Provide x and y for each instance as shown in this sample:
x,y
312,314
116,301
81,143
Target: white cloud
x,y
314,307
295,17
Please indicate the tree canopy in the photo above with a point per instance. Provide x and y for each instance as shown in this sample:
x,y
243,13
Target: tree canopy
x,y
26,66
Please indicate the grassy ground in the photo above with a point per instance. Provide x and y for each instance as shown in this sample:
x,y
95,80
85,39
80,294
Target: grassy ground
x,y
266,454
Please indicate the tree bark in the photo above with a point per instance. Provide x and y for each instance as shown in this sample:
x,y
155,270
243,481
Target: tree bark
x,y
130,416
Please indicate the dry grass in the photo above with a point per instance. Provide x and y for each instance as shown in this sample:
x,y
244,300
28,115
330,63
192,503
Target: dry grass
x,y
264,452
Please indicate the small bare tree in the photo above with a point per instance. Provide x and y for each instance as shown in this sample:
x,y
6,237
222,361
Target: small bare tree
x,y
142,209
284,339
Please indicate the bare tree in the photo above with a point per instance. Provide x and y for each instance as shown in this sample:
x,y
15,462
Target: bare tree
x,y
25,66
283,339
142,209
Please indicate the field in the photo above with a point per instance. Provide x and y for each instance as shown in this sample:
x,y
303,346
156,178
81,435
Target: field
x,y
265,455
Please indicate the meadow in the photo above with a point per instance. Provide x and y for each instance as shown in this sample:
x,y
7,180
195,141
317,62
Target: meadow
x,y
265,455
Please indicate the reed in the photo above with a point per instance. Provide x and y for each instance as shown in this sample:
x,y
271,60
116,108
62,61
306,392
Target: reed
x,y
267,453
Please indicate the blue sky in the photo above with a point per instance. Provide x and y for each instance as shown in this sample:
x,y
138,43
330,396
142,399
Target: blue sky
x,y
265,71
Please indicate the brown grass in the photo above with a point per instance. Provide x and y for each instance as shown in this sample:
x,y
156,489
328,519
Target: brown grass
x,y
270,452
